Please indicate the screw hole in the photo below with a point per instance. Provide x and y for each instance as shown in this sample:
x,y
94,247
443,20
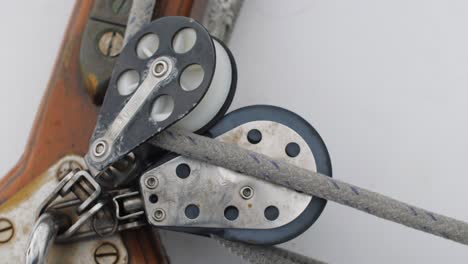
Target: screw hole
x,y
153,198
192,211
271,213
183,170
231,213
293,149
254,136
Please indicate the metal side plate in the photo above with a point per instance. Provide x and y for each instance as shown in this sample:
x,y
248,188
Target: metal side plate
x,y
146,93
205,195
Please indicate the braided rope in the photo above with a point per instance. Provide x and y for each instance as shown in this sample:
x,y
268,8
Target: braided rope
x,y
254,164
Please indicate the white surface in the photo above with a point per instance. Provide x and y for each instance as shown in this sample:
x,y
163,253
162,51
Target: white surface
x,y
384,82
31,35
216,95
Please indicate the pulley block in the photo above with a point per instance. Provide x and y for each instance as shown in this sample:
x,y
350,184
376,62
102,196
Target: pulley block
x,y
188,195
172,71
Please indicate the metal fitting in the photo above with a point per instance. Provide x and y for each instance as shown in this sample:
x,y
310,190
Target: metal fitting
x,y
159,214
100,147
151,182
246,192
160,68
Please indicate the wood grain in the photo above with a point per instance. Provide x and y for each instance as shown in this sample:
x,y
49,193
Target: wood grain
x,y
66,119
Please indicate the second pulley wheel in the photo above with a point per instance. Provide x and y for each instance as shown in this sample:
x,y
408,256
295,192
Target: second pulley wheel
x,y
193,77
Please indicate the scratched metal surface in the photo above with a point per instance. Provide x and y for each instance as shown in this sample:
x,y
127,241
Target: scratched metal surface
x,y
19,211
384,82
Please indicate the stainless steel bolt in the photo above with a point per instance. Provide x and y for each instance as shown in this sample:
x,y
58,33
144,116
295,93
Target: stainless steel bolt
x,y
110,44
6,230
159,214
246,192
151,182
160,68
100,147
106,253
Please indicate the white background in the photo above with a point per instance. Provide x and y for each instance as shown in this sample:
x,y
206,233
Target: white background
x,y
384,82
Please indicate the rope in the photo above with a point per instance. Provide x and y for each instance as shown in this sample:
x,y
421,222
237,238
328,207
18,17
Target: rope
x,y
140,15
220,17
254,164
265,254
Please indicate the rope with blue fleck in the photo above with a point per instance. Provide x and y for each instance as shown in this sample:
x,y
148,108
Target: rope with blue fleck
x,y
258,165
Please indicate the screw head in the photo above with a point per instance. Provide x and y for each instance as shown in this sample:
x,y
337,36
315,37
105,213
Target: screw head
x,y
246,192
100,147
159,214
6,230
110,44
106,253
160,68
66,167
151,182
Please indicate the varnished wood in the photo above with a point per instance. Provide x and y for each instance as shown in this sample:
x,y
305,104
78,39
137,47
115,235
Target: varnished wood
x,y
173,8
66,116
65,121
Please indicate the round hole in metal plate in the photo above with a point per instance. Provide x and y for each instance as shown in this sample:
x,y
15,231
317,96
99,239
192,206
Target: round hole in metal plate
x,y
184,40
231,213
191,77
192,211
162,108
153,198
147,46
254,136
183,170
271,213
292,149
128,82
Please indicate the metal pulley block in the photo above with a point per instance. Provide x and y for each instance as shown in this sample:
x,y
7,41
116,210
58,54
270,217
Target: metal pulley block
x,y
171,69
173,73
187,195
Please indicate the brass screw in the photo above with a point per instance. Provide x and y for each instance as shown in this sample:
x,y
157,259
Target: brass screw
x,y
67,166
111,43
106,253
6,230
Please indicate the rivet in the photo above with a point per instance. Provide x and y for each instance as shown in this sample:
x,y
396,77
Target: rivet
x,y
159,214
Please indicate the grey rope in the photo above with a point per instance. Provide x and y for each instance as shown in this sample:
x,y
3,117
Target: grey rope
x,y
254,164
265,254
140,14
220,17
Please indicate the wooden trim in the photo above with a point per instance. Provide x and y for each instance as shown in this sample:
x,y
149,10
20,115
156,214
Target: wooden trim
x,y
66,116
66,119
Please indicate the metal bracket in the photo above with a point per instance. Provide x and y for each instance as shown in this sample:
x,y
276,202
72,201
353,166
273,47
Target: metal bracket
x,y
208,196
87,181
101,43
